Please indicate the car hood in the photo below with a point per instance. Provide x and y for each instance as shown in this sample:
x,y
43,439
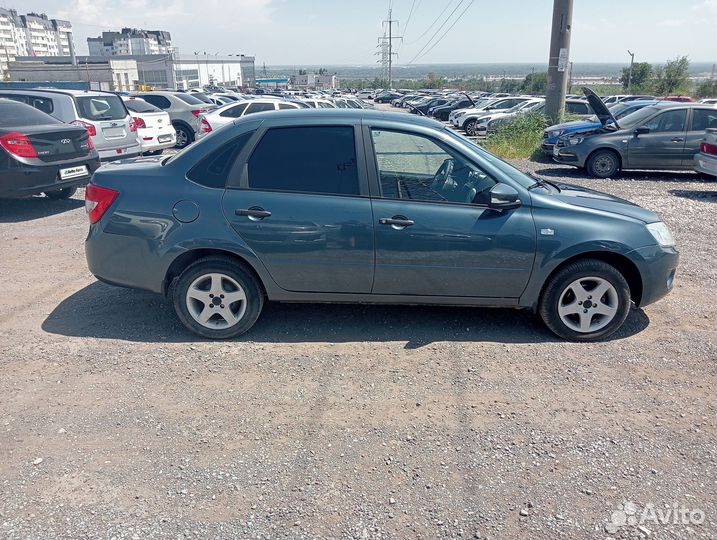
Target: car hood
x,y
575,125
597,200
601,110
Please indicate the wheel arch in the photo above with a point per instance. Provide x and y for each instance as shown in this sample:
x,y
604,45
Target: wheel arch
x,y
181,262
607,149
621,262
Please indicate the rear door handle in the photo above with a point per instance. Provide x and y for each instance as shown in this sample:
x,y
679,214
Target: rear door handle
x,y
255,213
677,139
397,222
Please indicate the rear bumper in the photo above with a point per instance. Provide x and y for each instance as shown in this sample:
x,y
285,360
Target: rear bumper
x,y
26,180
120,152
706,164
149,142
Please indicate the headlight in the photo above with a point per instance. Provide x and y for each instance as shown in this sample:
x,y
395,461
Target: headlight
x,y
572,141
460,114
555,133
661,234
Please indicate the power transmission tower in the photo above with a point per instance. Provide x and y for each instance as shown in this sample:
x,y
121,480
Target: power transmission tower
x,y
382,53
389,22
558,62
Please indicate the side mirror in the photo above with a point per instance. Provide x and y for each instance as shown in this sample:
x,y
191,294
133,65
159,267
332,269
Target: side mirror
x,y
503,197
642,130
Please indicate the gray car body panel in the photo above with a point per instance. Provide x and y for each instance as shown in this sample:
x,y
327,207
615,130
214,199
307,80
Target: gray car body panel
x,y
153,224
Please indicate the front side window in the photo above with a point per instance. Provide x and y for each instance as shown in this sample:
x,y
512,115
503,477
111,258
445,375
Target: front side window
x,y
287,106
317,159
668,121
259,107
703,119
415,167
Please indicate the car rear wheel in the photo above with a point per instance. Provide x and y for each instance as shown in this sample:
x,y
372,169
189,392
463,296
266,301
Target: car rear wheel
x,y
587,300
217,298
184,136
64,193
603,164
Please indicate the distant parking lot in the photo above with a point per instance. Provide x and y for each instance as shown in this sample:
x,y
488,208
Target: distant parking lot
x,y
350,421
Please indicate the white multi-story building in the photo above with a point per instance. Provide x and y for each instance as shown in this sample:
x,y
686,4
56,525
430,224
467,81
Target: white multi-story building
x,y
130,41
32,35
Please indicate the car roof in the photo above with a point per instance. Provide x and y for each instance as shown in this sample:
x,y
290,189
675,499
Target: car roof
x,y
76,93
344,114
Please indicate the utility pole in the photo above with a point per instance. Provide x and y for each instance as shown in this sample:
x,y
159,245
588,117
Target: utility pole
x,y
629,73
559,58
390,38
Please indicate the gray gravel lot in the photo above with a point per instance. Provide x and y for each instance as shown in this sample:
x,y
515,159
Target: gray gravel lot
x,y
346,421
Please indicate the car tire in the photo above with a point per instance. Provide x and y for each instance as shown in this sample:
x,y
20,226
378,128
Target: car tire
x,y
184,136
470,127
196,304
58,194
568,305
603,164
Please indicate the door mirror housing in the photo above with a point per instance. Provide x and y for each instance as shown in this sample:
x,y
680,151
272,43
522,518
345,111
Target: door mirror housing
x,y
503,197
642,130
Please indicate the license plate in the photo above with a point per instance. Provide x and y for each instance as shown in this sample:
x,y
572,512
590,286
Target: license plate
x,y
164,138
113,133
73,172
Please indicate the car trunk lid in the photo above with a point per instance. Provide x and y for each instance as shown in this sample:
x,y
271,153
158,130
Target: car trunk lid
x,y
56,142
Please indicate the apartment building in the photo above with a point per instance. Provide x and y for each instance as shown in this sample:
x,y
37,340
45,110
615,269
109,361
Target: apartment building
x,y
130,41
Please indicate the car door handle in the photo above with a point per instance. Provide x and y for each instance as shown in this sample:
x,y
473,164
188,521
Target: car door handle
x,y
397,222
677,139
254,213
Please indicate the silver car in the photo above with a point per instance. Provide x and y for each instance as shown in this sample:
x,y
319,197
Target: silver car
x,y
184,110
103,114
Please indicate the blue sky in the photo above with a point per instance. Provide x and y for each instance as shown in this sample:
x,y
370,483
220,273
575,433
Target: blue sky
x,y
311,32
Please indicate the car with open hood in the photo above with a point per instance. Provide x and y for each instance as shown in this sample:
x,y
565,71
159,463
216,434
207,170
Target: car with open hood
x,y
664,136
618,111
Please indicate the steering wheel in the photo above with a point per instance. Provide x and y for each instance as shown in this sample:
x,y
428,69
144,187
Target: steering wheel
x,y
443,174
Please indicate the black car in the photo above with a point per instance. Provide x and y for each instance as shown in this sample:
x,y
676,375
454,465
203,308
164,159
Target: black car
x,y
40,154
387,97
443,111
423,108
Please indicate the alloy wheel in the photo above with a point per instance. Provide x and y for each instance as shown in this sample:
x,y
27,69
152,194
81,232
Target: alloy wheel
x,y
216,301
588,304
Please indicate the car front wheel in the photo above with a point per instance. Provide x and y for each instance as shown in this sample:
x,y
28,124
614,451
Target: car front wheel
x,y
217,298
587,300
603,164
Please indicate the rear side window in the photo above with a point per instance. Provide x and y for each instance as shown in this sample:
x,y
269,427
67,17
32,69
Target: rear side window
x,y
318,159
212,171
188,99
259,107
158,101
234,112
141,106
108,107
287,106
13,114
42,104
703,119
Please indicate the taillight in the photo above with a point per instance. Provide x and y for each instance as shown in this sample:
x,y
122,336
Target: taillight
x,y
206,128
138,124
132,125
98,200
90,144
197,112
18,144
91,129
707,148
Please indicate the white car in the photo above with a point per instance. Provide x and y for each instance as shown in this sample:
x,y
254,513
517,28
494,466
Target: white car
x,y
319,103
154,127
484,123
222,116
497,105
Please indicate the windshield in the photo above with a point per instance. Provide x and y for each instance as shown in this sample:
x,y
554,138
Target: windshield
x,y
107,107
633,119
520,177
141,106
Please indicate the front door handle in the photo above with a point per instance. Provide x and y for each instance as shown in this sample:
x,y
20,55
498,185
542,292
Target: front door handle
x,y
397,222
677,139
255,213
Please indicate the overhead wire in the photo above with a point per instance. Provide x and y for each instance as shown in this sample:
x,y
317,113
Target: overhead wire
x,y
446,32
436,32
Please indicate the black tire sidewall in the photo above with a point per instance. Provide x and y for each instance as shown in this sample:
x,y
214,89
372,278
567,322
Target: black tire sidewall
x,y
548,307
590,165
252,289
469,126
187,132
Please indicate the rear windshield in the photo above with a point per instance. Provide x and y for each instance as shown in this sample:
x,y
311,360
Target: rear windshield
x,y
101,107
14,114
140,106
188,99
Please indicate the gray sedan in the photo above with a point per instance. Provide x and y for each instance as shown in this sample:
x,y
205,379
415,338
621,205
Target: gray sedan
x,y
346,205
662,136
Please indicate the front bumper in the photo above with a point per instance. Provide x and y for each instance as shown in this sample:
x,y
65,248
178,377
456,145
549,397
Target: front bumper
x,y
657,267
25,180
706,164
568,155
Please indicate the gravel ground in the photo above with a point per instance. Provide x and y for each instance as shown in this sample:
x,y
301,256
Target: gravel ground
x,y
352,422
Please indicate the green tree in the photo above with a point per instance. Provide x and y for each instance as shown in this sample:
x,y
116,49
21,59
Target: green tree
x,y
672,78
706,89
641,75
535,83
